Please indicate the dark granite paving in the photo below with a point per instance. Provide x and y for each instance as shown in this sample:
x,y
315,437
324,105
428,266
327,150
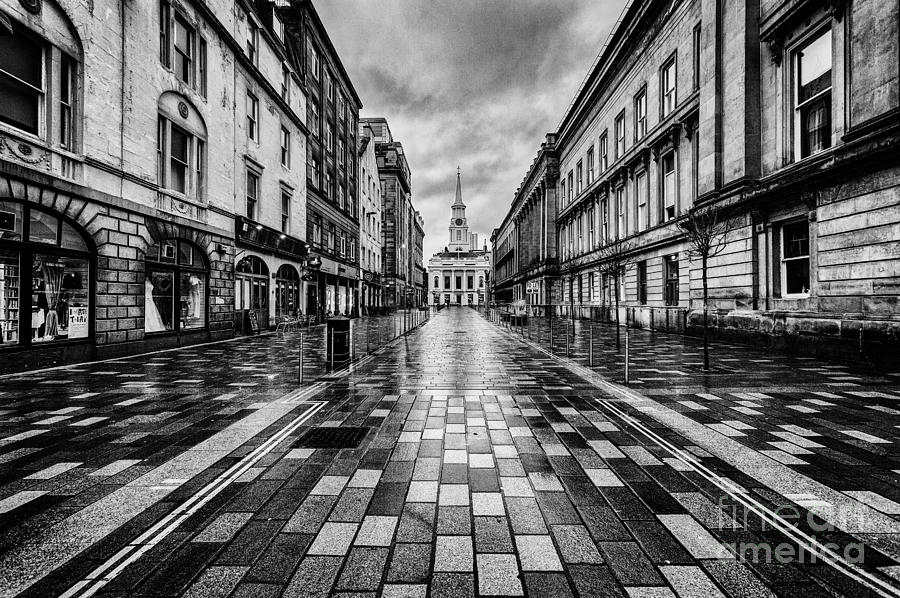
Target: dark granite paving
x,y
489,468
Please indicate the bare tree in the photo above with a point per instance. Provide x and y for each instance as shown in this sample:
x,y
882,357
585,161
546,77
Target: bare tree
x,y
614,259
707,229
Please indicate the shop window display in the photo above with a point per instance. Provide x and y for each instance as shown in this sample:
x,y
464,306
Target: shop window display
x,y
43,252
174,288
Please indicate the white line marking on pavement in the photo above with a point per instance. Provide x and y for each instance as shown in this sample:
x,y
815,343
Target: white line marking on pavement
x,y
106,572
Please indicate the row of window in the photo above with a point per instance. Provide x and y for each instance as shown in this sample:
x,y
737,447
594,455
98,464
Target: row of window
x,y
625,214
328,236
585,171
791,271
470,283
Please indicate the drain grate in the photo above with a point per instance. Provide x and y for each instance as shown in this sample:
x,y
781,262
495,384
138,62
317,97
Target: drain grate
x,y
333,438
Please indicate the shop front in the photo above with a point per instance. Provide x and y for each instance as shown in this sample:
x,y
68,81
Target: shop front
x,y
335,292
47,273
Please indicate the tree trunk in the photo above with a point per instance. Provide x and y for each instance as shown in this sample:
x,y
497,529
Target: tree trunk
x,y
618,333
705,318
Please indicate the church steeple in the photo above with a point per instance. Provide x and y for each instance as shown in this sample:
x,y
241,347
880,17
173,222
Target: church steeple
x,y
459,228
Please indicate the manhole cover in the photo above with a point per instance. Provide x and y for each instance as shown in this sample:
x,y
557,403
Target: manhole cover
x,y
339,438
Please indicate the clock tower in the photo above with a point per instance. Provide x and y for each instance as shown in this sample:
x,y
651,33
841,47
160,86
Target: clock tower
x,y
459,228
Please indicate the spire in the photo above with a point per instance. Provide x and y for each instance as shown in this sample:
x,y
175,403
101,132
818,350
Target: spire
x,y
458,201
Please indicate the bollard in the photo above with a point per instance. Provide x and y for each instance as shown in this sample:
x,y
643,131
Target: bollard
x,y
332,350
352,343
626,354
567,337
551,336
367,337
591,346
300,359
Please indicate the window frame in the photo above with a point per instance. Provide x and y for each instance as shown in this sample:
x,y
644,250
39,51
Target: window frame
x,y
620,123
668,97
603,162
663,174
177,269
252,116
799,133
782,260
695,55
195,169
252,200
286,199
285,148
640,114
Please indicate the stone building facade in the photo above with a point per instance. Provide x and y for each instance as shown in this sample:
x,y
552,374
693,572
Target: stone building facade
x,y
332,167
783,113
460,274
399,218
525,265
121,170
370,217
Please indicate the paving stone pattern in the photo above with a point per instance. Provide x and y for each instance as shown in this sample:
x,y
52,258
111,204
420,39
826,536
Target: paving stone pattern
x,y
490,468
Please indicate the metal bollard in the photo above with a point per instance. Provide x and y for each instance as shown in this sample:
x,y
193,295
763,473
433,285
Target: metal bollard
x,y
626,354
567,337
367,337
551,336
591,346
300,359
352,343
332,350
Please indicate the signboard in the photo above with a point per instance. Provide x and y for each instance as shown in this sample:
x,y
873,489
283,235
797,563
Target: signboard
x,y
78,322
533,288
254,321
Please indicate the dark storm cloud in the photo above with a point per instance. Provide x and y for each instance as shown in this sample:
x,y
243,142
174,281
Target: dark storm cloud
x,y
475,83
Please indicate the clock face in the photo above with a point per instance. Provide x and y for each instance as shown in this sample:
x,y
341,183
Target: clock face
x,y
459,222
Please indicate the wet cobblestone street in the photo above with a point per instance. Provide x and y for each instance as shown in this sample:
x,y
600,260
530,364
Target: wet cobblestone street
x,y
488,467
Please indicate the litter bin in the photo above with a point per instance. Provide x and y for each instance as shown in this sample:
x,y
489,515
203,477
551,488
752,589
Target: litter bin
x,y
337,341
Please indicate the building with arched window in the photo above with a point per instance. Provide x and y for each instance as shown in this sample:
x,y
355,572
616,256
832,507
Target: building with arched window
x,y
135,202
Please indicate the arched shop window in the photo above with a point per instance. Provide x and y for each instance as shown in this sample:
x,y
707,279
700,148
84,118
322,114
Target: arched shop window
x,y
175,287
251,281
46,274
287,291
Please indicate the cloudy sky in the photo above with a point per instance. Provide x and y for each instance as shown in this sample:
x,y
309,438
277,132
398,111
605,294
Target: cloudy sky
x,y
474,83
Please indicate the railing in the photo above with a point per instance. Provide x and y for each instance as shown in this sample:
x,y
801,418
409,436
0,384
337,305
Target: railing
x,y
662,318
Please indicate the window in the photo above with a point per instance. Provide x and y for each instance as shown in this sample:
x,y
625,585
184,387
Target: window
x,y
285,147
604,152
285,211
315,173
165,28
317,230
340,152
590,286
329,185
620,135
458,282
470,282
278,26
458,234
590,219
640,187
795,259
286,83
253,42
669,186
21,82
314,124
252,117
446,282
314,65
642,282
604,220
640,115
562,192
180,159
671,272
67,69
45,276
252,193
667,86
184,50
813,95
621,232
696,56
590,165
580,228
579,177
571,188
175,287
